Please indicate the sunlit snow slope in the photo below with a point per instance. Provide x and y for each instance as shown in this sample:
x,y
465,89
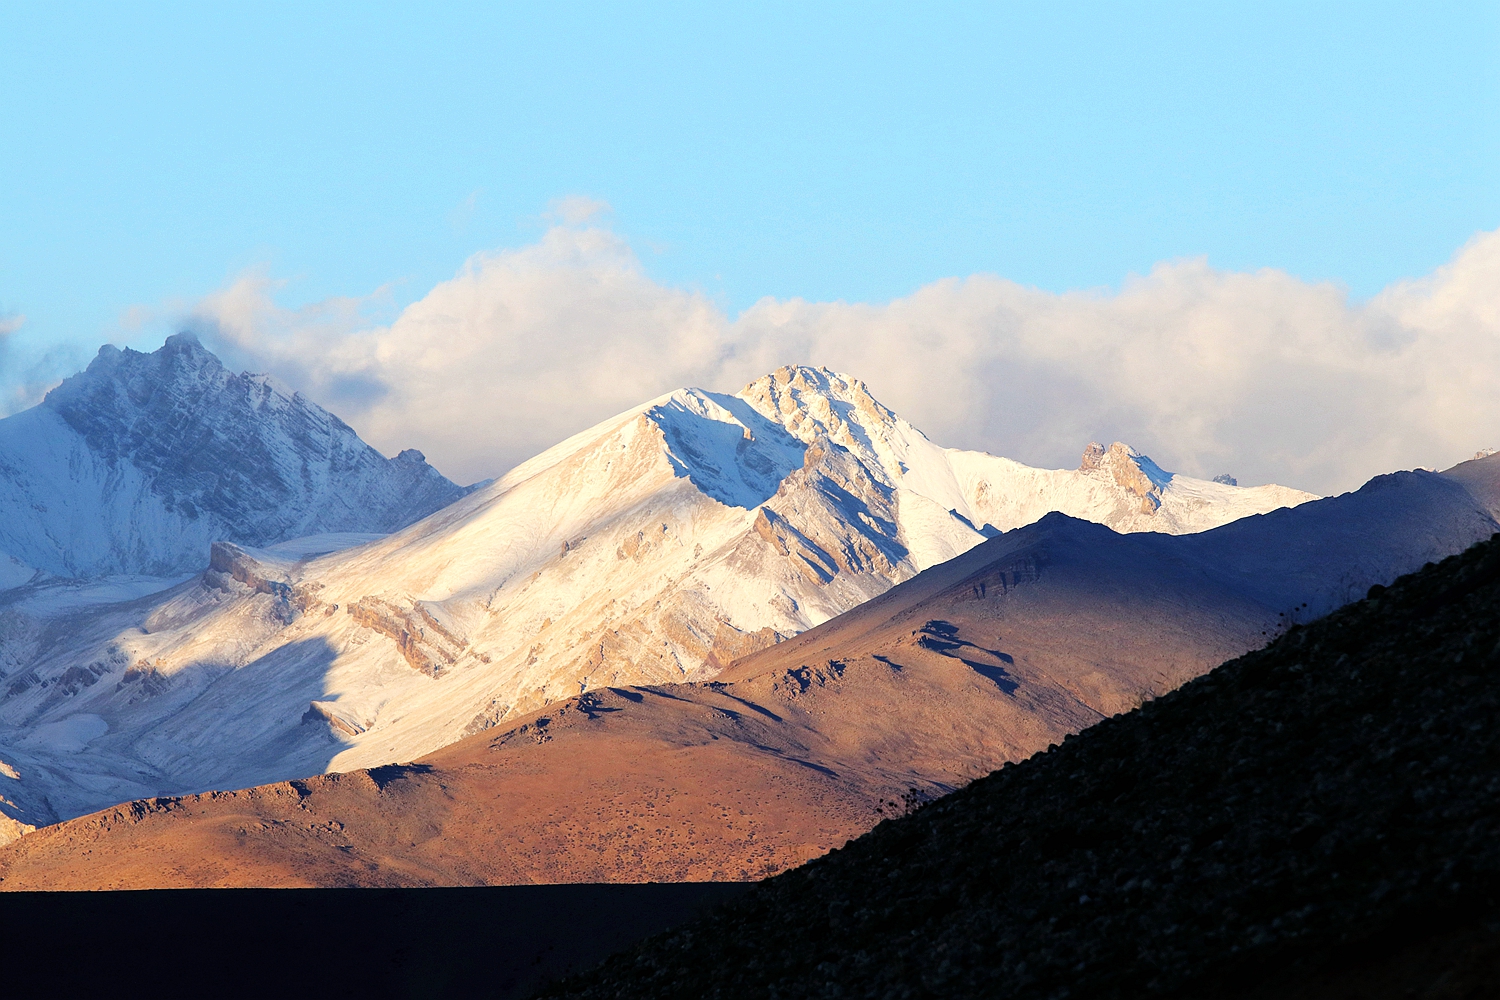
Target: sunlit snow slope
x,y
656,546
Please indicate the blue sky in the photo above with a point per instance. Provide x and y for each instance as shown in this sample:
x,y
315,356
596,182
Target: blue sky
x,y
155,150
152,153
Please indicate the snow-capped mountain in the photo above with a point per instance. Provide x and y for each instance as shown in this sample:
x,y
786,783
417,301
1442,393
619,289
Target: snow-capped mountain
x,y
138,463
656,546
989,657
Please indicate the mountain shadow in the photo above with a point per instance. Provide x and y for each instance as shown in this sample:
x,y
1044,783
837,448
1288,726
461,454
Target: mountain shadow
x,y
141,734
725,447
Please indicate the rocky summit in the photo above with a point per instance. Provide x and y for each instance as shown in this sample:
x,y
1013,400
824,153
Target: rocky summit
x,y
138,463
1313,819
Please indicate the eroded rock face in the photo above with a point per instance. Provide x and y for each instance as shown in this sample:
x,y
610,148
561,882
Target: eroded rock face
x,y
318,711
1129,469
227,561
12,829
420,638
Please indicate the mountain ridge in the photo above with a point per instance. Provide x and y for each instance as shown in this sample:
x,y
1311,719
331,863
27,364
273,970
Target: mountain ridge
x,y
658,546
1022,640
1314,819
138,463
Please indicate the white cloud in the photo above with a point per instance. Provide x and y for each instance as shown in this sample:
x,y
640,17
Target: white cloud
x,y
28,371
520,349
1262,375
577,209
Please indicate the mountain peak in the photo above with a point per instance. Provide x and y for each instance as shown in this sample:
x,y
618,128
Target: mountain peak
x,y
183,355
185,341
167,451
1130,469
185,352
785,388
817,403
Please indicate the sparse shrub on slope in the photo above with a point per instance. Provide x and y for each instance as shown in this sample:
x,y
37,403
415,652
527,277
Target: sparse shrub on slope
x,y
1339,785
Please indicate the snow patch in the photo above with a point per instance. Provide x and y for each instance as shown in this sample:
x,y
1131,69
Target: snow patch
x,y
70,735
310,546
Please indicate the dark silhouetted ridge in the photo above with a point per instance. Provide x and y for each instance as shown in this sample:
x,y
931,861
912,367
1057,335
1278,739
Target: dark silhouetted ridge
x,y
1325,809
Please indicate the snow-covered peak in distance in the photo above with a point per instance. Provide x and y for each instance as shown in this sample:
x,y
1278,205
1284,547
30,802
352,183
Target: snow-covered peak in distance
x,y
138,463
741,455
658,545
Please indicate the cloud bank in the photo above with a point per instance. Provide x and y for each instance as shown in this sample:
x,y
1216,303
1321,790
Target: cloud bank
x,y
24,378
1261,375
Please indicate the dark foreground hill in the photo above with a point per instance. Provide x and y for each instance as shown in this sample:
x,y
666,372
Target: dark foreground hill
x,y
1318,818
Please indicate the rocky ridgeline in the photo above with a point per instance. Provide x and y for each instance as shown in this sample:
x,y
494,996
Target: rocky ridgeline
x,y
241,448
138,463
1334,791
227,561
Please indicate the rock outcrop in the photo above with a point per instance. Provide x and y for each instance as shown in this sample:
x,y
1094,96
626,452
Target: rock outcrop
x,y
1131,471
